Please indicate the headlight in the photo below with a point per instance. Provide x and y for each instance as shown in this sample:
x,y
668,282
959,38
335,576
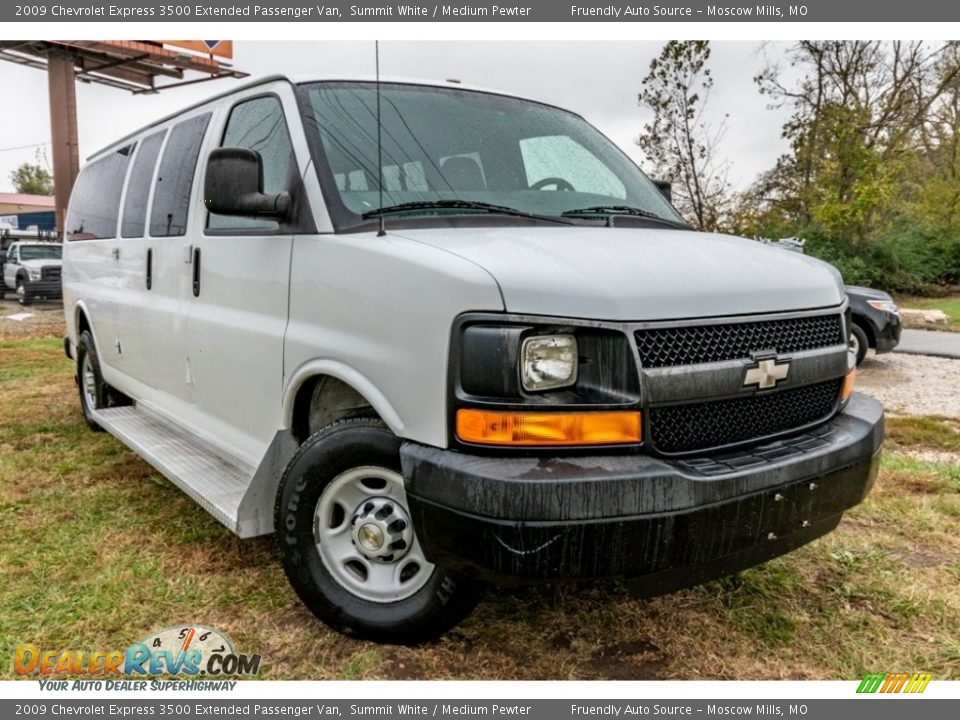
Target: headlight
x,y
886,305
548,362
34,273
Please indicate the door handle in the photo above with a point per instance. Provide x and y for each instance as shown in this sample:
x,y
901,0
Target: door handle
x,y
196,272
149,268
116,253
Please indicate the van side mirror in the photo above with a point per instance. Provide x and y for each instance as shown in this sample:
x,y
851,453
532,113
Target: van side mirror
x,y
666,189
234,186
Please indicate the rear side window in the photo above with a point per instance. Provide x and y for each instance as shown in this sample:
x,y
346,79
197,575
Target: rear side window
x,y
171,198
259,125
138,189
95,202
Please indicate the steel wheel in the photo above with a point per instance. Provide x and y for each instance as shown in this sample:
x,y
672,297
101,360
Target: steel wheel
x,y
88,381
365,537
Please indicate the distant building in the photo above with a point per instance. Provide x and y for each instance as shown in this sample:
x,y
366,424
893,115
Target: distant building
x,y
20,212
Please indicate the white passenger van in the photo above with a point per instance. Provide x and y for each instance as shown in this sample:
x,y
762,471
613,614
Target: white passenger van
x,y
470,343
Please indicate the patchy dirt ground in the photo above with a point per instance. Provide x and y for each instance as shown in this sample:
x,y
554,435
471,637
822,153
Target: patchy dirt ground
x,y
912,384
41,319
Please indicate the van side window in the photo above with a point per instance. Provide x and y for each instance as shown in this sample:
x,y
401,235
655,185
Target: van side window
x,y
171,198
138,189
95,202
259,125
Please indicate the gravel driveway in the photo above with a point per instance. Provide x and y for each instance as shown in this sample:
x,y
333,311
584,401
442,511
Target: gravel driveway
x,y
912,384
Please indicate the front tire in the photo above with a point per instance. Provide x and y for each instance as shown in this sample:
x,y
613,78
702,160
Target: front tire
x,y
348,546
23,293
858,342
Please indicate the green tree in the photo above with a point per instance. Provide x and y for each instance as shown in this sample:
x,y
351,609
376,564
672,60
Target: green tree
x,y
32,180
938,202
860,117
680,145
872,177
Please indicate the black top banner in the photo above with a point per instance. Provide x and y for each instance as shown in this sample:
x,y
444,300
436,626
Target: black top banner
x,y
505,11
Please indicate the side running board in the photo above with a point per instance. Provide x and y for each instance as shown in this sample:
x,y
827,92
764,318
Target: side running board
x,y
217,483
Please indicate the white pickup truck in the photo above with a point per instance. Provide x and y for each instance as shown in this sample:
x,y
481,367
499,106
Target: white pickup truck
x,y
32,270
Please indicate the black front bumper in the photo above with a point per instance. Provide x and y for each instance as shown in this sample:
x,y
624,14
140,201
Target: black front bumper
x,y
888,332
675,522
44,288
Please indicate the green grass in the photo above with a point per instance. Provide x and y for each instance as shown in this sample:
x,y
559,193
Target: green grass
x,y
97,551
950,305
924,431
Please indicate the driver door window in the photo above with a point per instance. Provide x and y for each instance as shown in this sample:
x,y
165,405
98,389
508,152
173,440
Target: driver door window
x,y
259,124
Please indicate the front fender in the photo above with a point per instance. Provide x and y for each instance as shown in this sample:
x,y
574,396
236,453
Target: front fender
x,y
346,374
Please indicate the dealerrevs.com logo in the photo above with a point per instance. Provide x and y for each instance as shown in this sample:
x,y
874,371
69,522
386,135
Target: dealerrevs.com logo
x,y
183,651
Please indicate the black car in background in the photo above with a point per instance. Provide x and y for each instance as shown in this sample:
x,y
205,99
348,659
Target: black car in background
x,y
876,321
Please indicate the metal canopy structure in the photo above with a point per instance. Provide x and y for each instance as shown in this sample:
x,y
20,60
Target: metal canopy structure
x,y
135,66
125,65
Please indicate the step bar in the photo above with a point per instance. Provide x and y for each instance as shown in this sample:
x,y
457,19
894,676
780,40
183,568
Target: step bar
x,y
216,482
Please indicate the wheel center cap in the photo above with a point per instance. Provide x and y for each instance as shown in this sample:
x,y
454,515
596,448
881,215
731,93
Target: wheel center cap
x,y
370,537
381,530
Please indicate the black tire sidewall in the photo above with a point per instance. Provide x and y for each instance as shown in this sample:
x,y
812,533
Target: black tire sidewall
x,y
862,342
441,603
24,299
86,346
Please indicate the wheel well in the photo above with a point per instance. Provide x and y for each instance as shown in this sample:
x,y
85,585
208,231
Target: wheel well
x,y
324,399
82,323
865,326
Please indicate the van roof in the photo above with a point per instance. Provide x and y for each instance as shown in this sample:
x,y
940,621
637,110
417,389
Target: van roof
x,y
298,80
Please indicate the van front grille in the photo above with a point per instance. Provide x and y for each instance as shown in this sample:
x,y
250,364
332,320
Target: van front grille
x,y
707,425
667,347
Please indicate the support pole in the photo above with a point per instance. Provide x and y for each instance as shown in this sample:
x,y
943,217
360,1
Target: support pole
x,y
63,130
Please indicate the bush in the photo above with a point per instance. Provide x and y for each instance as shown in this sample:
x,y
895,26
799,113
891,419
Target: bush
x,y
903,260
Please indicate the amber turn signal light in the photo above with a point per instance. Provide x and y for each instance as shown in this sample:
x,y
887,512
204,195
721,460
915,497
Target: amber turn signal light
x,y
486,427
847,390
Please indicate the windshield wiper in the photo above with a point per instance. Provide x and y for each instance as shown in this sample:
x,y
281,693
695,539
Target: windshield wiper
x,y
459,205
609,210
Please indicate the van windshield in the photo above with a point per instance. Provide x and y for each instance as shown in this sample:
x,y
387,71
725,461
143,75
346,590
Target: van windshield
x,y
41,252
452,151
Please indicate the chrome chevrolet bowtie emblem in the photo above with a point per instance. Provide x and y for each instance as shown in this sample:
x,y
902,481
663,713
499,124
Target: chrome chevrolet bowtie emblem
x,y
767,373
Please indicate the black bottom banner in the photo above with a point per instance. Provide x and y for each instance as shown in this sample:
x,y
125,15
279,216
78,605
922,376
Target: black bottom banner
x,y
873,707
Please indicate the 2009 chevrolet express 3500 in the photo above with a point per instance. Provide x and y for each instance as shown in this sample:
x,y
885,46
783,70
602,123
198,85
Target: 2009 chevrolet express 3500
x,y
515,363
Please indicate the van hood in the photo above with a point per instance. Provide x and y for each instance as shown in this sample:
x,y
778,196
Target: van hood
x,y
634,274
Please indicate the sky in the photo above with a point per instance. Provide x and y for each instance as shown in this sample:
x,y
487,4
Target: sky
x,y
598,80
